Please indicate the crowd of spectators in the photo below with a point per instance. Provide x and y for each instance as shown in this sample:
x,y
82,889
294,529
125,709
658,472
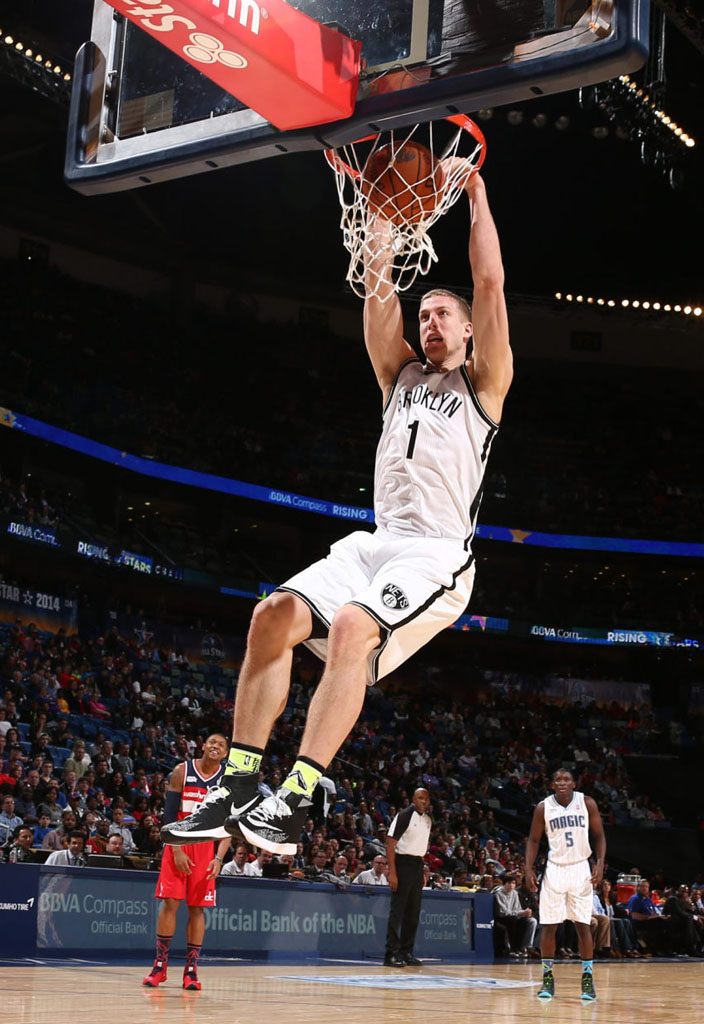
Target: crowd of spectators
x,y
90,729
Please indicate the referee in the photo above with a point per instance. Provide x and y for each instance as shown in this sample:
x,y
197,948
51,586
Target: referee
x,y
406,845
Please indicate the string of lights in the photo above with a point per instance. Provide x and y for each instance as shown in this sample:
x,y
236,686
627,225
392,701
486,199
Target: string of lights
x,y
638,304
34,68
648,104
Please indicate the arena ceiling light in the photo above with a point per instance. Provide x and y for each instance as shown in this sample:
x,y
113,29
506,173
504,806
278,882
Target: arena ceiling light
x,y
647,103
646,305
34,69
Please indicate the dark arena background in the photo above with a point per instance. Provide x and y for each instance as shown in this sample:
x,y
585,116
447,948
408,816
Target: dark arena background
x,y
188,416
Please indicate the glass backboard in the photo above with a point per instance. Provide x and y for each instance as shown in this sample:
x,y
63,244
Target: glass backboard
x,y
140,114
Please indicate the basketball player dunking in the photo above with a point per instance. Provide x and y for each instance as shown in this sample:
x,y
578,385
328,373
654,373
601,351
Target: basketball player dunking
x,y
377,598
567,887
188,872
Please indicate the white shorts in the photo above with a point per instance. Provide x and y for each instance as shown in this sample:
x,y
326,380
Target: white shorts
x,y
414,587
566,892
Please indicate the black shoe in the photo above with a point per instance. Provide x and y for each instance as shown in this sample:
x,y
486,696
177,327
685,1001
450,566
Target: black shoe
x,y
410,960
548,989
588,993
275,823
234,795
395,960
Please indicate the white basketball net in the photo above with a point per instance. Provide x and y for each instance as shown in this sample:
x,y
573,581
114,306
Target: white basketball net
x,y
408,247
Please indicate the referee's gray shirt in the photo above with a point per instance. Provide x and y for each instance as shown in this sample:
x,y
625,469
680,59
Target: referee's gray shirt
x,y
412,830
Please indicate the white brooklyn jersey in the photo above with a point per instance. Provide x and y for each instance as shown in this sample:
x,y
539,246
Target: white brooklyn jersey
x,y
567,829
431,455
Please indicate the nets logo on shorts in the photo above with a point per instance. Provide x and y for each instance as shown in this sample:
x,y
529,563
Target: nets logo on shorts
x,y
393,596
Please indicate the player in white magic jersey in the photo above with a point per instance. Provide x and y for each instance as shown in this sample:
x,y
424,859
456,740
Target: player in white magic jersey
x,y
378,597
566,891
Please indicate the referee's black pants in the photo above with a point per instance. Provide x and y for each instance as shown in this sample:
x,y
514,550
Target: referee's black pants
x,y
405,906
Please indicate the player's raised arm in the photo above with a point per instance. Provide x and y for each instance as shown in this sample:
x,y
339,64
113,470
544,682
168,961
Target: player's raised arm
x,y
596,826
491,363
383,320
537,827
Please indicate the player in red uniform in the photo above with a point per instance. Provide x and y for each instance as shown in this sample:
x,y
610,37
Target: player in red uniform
x,y
188,872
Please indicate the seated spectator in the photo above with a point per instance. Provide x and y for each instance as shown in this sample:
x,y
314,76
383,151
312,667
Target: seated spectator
x,y
376,874
96,708
51,805
118,827
41,829
118,786
191,704
146,761
68,784
140,784
122,759
102,772
54,840
98,840
9,820
71,855
152,846
5,724
339,871
114,847
316,869
651,928
346,832
686,925
24,803
236,867
254,868
79,762
514,926
600,926
21,850
363,821
39,745
623,939
529,901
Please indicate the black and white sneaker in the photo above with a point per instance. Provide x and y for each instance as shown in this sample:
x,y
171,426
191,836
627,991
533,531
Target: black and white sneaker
x,y
235,794
276,823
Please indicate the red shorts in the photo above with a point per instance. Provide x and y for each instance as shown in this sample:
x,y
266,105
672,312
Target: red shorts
x,y
196,889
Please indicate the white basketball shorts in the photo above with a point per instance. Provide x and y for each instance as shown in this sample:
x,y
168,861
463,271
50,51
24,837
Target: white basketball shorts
x,y
413,587
566,892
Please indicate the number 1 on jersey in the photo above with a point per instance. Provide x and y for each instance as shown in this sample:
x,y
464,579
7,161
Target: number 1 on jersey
x,y
413,427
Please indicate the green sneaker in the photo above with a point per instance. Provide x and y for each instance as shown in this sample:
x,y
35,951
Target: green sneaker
x,y
548,989
588,992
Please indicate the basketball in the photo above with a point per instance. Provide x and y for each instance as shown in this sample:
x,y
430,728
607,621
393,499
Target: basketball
x,y
403,184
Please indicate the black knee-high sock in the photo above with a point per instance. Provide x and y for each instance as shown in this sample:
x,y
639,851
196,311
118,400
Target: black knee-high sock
x,y
192,955
163,944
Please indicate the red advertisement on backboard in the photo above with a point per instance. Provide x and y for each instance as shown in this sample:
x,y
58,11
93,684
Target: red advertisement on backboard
x,y
287,67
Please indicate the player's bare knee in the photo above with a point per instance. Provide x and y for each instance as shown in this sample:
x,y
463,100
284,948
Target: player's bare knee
x,y
353,629
281,621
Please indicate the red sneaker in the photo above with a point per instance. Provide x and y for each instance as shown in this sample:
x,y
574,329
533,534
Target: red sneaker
x,y
157,975
190,980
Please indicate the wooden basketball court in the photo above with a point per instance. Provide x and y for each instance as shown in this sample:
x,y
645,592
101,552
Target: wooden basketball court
x,y
671,993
